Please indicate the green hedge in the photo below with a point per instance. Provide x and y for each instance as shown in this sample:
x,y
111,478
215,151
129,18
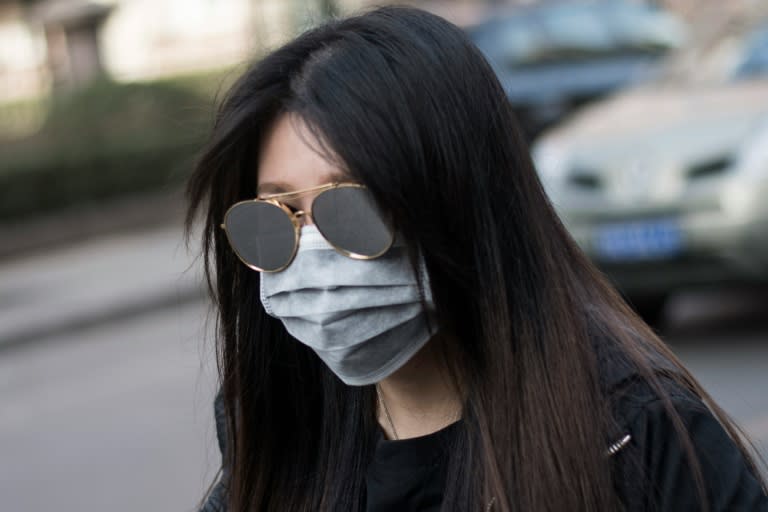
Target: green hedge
x,y
103,141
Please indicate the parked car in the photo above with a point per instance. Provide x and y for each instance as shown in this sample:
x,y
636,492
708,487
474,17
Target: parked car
x,y
665,186
552,57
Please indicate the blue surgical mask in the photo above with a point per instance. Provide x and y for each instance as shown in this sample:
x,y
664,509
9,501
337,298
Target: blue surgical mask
x,y
363,318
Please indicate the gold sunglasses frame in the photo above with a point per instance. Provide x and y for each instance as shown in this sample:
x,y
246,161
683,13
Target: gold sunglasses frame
x,y
295,218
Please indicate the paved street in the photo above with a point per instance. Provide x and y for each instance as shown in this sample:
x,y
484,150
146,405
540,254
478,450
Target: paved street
x,y
113,418
63,289
723,339
114,413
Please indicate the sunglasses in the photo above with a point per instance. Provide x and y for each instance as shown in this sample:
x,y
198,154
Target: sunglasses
x,y
264,232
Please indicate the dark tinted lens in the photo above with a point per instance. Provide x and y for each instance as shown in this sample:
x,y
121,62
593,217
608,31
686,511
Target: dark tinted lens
x,y
261,233
348,218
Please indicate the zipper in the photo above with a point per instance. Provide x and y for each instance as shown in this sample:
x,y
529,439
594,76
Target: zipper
x,y
619,445
612,450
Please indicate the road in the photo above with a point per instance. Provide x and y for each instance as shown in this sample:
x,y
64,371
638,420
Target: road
x,y
722,337
117,417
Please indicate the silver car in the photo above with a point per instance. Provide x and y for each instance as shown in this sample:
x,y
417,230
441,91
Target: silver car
x,y
665,185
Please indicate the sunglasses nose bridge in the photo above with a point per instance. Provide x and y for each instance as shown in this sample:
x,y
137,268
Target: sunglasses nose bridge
x,y
304,218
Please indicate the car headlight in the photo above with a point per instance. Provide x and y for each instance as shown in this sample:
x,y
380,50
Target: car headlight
x,y
551,162
753,157
740,195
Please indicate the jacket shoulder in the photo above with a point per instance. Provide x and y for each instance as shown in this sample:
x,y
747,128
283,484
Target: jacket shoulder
x,y
216,500
654,469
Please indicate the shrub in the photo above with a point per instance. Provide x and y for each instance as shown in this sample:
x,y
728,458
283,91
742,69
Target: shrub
x,y
106,140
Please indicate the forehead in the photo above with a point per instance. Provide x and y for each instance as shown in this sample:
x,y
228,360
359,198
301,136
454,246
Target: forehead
x,y
291,158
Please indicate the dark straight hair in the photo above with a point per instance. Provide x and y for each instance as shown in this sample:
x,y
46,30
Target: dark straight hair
x,y
408,106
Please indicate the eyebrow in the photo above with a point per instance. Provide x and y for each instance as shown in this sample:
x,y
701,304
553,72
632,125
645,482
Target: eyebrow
x,y
272,188
277,187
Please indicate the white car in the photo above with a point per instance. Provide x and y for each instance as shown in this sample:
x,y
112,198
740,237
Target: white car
x,y
665,186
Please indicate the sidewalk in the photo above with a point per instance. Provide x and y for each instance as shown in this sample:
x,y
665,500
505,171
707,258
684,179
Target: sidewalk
x,y
59,290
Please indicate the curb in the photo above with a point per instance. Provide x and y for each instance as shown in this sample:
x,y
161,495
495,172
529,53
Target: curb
x,y
109,314
60,229
117,275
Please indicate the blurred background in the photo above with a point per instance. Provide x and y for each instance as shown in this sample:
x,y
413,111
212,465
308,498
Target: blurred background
x,y
648,122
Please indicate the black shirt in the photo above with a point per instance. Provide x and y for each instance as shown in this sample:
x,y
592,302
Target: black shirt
x,y
409,475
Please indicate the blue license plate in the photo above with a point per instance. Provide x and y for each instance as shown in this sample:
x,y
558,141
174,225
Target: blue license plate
x,y
638,240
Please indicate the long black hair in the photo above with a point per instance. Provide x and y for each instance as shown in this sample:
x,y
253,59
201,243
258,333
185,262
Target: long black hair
x,y
409,107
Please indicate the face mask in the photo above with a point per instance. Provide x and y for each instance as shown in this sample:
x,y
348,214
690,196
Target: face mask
x,y
363,318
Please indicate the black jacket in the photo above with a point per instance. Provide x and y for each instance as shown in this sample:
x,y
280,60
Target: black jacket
x,y
650,463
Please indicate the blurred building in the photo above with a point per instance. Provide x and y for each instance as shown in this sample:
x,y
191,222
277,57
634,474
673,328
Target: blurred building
x,y
46,43
61,43
23,71
50,43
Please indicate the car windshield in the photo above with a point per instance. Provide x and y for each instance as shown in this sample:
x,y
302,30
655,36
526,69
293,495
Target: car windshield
x,y
736,53
576,30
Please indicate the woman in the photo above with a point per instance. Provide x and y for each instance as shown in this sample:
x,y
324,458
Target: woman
x,y
404,322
